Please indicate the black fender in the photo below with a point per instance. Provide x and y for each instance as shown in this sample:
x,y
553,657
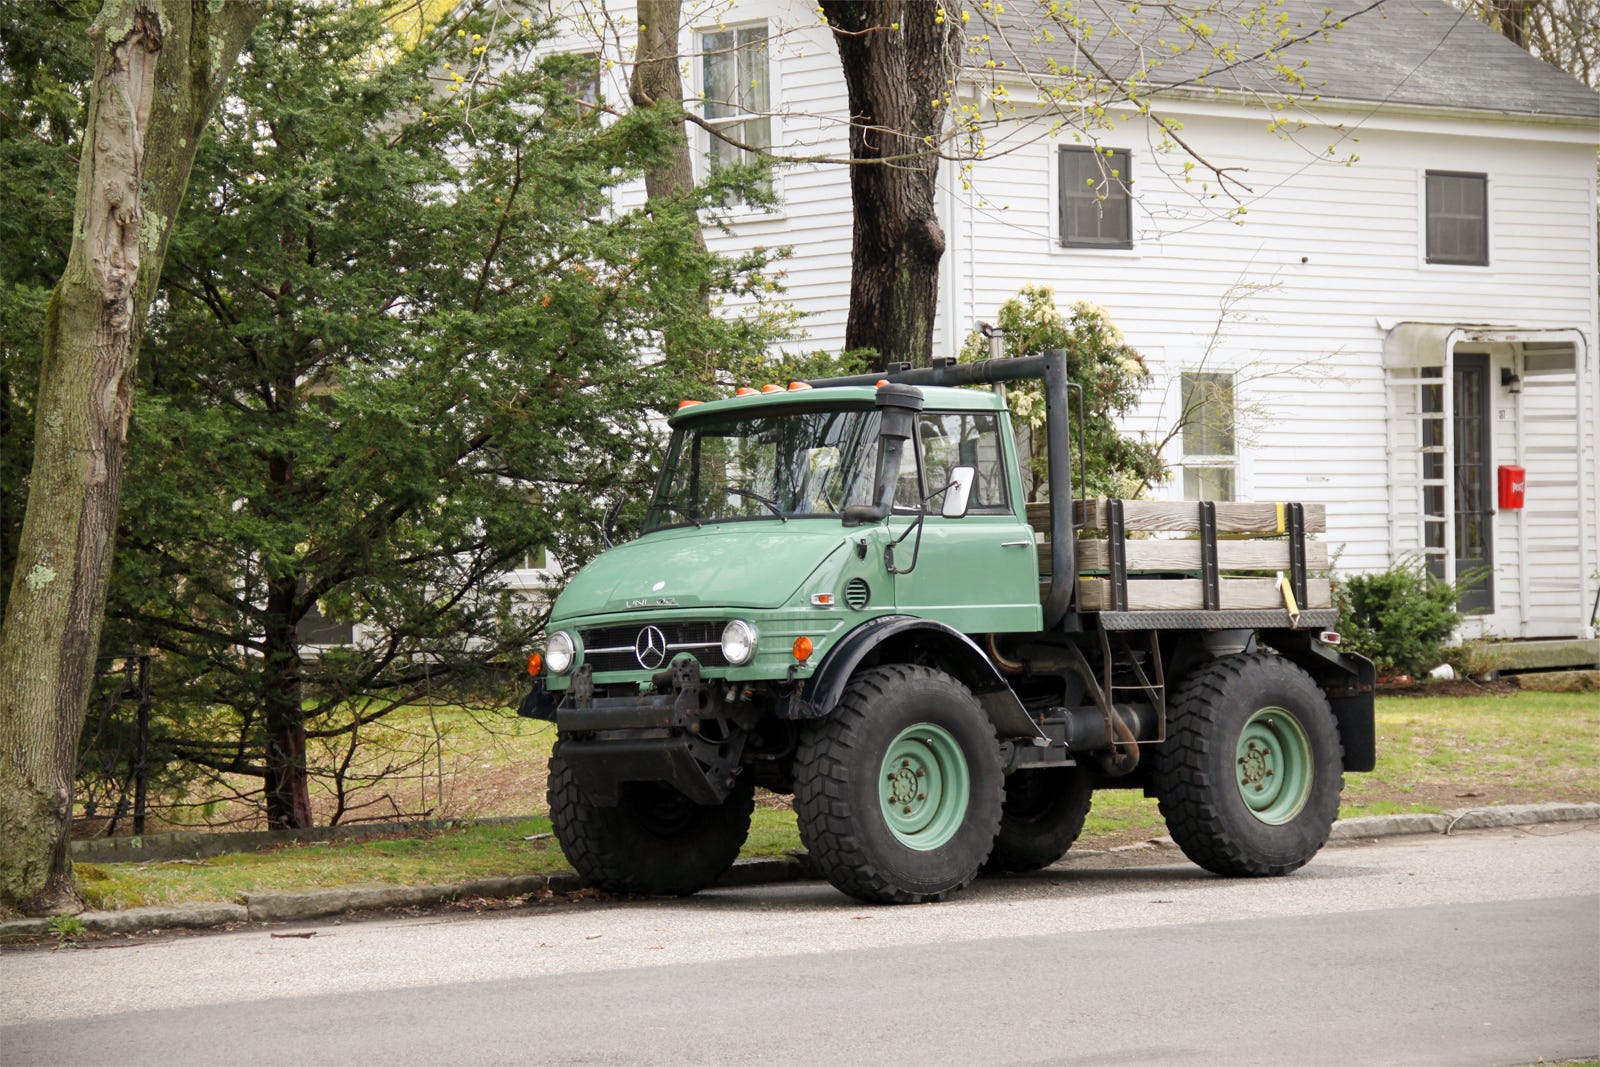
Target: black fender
x,y
907,639
1351,684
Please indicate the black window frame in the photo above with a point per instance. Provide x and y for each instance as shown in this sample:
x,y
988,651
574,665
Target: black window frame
x,y
1119,193
1441,256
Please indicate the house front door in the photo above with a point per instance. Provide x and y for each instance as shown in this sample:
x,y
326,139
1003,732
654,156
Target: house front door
x,y
1474,508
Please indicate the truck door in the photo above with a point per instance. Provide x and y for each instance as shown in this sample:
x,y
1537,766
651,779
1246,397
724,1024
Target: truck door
x,y
979,573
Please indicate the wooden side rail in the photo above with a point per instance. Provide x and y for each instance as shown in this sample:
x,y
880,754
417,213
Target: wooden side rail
x,y
1188,574
1183,516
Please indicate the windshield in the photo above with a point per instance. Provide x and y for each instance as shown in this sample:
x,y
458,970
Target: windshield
x,y
794,464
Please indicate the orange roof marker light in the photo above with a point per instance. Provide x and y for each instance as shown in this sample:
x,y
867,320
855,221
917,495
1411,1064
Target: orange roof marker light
x,y
687,404
802,648
744,390
882,382
772,388
795,386
535,663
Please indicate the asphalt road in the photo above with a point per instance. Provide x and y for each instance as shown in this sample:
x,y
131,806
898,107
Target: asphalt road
x,y
1481,948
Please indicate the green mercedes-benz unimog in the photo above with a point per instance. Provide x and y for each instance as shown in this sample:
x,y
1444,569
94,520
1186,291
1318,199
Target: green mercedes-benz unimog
x,y
840,593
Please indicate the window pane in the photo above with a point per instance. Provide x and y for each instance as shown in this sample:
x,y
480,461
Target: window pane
x,y
752,62
1095,200
1458,218
720,73
1208,483
757,133
1207,413
951,440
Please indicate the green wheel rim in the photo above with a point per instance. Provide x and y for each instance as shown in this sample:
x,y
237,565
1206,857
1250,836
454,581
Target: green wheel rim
x,y
923,787
1274,766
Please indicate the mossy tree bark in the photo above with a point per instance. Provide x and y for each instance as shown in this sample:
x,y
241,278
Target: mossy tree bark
x,y
160,68
899,57
656,82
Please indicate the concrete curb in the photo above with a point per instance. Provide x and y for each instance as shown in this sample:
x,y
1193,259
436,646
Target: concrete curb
x,y
316,904
1461,819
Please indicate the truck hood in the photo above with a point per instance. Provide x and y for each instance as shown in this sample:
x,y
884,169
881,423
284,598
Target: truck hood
x,y
758,564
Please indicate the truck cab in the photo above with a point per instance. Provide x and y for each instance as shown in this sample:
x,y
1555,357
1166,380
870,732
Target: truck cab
x,y
840,592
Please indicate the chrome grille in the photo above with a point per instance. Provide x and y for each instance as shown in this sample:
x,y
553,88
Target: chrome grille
x,y
615,648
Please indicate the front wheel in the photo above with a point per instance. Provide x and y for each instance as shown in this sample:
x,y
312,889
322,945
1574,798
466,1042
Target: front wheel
x,y
655,842
898,790
1250,774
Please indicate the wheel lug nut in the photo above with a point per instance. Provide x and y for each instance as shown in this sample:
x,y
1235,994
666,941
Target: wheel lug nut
x,y
922,774
906,810
922,796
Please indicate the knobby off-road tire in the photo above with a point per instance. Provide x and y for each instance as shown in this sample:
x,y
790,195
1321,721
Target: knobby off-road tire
x,y
1042,816
1250,774
656,842
898,790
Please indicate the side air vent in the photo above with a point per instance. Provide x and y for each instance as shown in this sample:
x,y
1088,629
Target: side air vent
x,y
857,593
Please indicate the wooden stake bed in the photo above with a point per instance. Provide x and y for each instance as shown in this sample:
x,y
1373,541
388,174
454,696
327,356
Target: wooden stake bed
x,y
1256,542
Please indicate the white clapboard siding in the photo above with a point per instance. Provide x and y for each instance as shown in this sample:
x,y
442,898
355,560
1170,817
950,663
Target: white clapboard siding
x,y
1330,256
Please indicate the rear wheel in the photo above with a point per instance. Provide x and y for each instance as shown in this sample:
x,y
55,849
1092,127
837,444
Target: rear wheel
x,y
898,790
1042,816
655,842
1250,774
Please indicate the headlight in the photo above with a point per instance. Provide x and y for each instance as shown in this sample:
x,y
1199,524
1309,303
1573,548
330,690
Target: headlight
x,y
738,642
560,652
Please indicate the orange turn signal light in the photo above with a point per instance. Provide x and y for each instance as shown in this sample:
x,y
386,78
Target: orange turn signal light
x,y
535,663
802,648
799,385
882,382
772,388
687,404
744,390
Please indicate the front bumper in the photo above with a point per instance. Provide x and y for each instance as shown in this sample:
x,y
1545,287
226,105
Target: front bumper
x,y
665,735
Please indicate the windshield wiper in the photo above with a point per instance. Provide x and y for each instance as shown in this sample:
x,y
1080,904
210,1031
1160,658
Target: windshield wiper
x,y
758,498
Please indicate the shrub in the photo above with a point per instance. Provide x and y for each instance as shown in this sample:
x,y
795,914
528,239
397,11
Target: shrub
x,y
1399,618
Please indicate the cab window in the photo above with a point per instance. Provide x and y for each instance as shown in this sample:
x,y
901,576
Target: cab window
x,y
950,439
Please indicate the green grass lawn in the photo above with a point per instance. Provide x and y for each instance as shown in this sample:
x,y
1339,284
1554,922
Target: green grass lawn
x,y
1433,754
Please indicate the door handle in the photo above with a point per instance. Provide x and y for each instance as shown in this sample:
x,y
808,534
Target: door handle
x,y
1014,544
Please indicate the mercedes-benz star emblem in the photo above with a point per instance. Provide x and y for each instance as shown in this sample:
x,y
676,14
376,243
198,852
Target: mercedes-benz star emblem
x,y
650,647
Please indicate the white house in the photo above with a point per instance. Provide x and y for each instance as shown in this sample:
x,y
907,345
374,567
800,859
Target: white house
x,y
1408,304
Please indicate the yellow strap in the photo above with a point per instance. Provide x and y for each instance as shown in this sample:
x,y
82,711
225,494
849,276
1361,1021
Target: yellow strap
x,y
1289,603
1282,526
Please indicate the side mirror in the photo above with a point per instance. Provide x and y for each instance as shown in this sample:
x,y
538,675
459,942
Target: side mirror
x,y
959,492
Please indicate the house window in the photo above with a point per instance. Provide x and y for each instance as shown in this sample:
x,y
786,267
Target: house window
x,y
583,83
1209,453
535,559
315,628
1458,218
1096,202
737,101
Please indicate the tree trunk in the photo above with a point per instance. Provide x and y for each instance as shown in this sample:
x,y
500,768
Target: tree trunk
x,y
1512,17
656,83
160,68
893,76
287,790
